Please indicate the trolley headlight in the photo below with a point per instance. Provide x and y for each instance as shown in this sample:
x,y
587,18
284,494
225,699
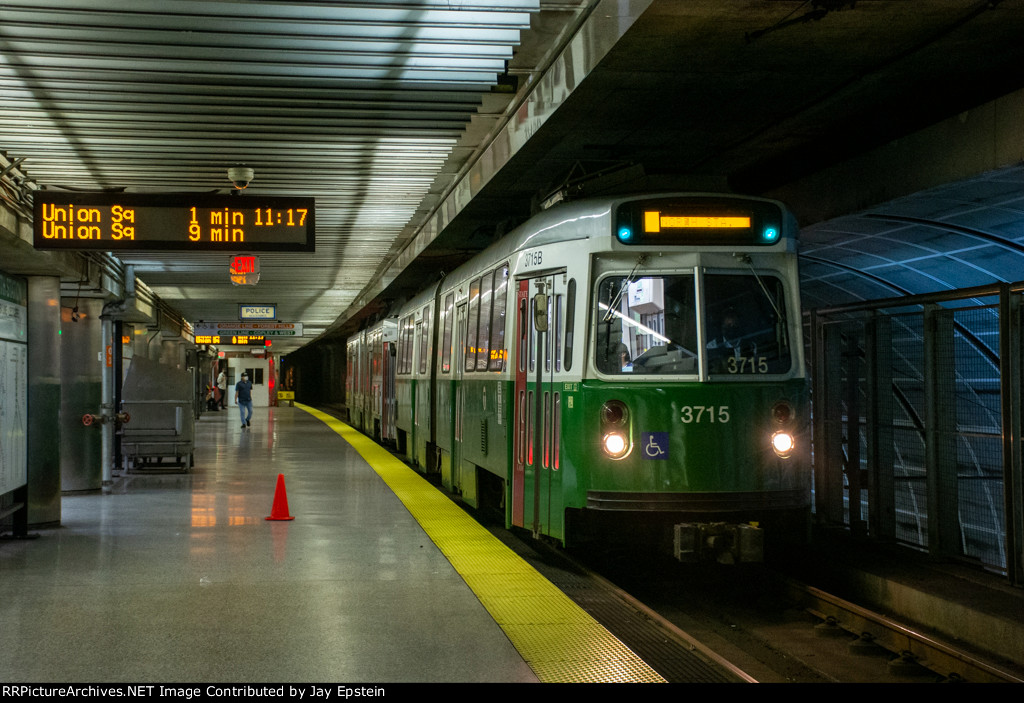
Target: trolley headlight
x,y
615,445
783,443
615,429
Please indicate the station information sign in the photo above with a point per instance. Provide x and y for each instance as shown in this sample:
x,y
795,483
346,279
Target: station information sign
x,y
236,339
227,330
172,222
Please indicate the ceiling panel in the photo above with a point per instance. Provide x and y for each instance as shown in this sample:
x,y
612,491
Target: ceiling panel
x,y
356,104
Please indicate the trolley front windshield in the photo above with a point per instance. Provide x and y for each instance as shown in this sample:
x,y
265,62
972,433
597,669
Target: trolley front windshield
x,y
649,325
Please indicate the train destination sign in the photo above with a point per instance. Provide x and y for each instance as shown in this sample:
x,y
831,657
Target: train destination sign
x,y
172,222
654,220
683,221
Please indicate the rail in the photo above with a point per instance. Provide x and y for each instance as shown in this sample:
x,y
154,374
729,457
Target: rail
x,y
906,643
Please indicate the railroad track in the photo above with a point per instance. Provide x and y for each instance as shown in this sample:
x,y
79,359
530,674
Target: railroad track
x,y
807,635
831,638
909,646
668,612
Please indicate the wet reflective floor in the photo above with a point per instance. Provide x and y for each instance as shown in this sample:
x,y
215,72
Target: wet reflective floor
x,y
179,577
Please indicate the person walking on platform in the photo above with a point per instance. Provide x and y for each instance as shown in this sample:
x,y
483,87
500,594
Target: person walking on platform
x,y
222,385
243,399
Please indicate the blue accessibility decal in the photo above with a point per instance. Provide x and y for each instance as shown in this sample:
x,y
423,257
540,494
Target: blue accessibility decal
x,y
655,445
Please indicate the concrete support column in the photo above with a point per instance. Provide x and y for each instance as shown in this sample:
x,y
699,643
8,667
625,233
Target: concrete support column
x,y
44,400
82,363
107,397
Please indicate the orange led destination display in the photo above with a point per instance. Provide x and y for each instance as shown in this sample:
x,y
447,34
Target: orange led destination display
x,y
698,220
173,222
233,339
654,221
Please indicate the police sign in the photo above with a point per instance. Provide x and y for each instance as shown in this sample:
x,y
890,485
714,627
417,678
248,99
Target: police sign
x,y
257,311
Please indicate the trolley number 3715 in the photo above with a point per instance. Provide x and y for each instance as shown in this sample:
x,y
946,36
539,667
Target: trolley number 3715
x,y
691,414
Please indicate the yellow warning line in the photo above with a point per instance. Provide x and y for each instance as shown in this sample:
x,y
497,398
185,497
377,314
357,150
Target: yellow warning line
x,y
557,638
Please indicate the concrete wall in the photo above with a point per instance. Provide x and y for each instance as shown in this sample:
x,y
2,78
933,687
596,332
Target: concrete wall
x,y
974,142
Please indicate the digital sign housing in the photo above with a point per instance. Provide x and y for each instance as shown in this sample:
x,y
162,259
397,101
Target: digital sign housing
x,y
172,222
698,221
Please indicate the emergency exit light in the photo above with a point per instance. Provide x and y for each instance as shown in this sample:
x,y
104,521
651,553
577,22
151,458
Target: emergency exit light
x,y
245,270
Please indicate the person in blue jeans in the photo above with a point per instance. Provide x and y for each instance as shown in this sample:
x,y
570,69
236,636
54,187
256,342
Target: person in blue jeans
x,y
243,399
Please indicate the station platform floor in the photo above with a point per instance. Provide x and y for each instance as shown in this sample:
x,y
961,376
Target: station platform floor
x,y
174,577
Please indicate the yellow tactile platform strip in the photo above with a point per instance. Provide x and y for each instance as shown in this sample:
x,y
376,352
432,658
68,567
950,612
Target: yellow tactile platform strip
x,y
557,638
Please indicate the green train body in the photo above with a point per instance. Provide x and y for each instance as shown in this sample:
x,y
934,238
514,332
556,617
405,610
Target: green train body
x,y
369,381
613,365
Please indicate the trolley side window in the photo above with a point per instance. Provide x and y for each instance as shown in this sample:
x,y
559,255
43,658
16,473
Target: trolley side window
x,y
531,348
424,338
410,331
472,330
557,336
401,348
498,353
570,316
446,344
350,364
405,345
483,352
548,335
523,333
375,355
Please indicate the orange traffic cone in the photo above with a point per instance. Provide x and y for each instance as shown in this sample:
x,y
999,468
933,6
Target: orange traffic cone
x,y
279,511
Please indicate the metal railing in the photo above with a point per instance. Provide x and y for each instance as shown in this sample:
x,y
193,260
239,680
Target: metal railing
x,y
917,422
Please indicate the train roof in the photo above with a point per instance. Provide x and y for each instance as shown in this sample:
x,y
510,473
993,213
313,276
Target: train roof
x,y
567,221
563,223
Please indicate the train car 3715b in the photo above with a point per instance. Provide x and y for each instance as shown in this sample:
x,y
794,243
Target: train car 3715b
x,y
617,366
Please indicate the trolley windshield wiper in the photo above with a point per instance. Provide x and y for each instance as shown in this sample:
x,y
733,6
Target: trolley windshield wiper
x,y
614,304
745,258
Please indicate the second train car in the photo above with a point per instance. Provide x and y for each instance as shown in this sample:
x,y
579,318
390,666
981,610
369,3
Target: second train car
x,y
610,367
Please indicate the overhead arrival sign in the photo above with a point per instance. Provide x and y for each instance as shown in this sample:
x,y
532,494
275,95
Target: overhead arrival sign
x,y
240,329
172,222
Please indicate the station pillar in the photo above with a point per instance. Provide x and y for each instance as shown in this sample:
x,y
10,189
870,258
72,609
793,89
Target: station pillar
x,y
44,399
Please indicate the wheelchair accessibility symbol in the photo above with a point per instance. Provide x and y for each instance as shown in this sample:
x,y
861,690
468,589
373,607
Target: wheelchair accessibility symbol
x,y
654,445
